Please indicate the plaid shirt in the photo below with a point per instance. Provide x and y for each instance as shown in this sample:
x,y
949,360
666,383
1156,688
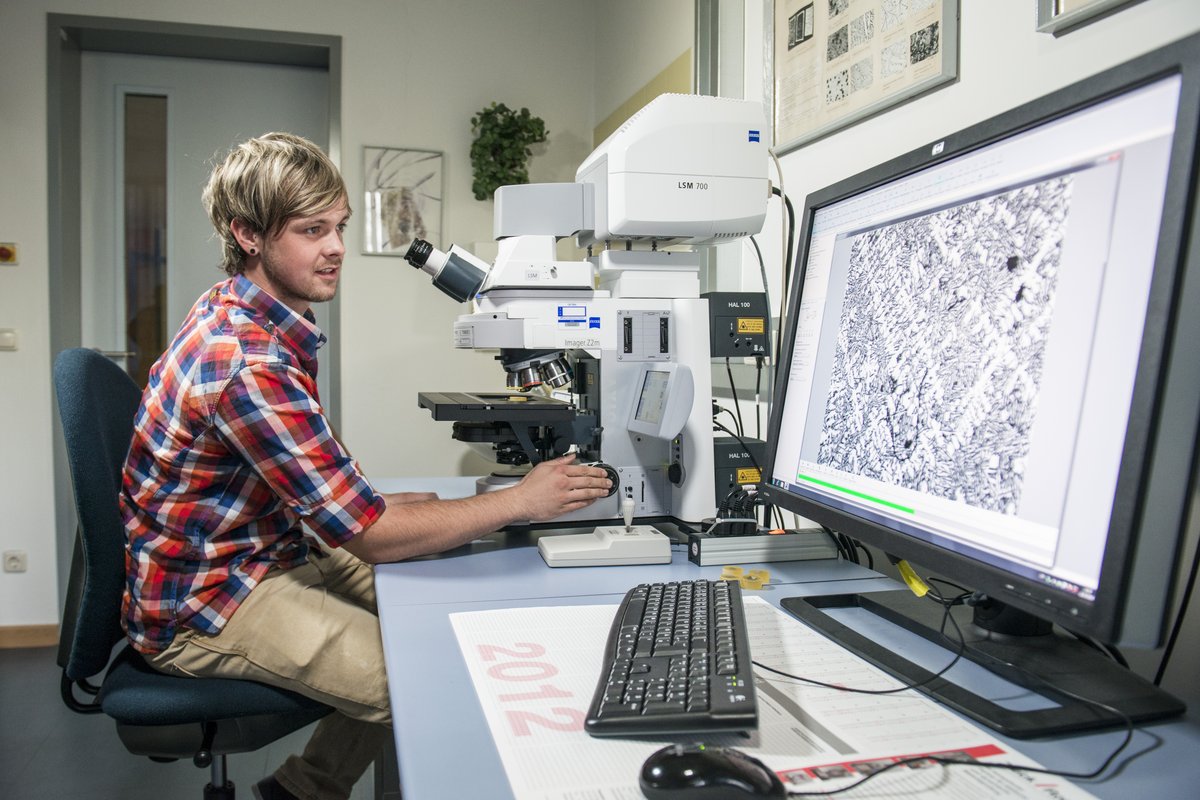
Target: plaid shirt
x,y
231,452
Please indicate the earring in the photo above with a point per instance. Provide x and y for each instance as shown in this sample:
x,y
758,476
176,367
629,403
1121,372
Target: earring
x,y
253,251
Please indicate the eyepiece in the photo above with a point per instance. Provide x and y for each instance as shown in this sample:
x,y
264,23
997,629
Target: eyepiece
x,y
453,272
418,252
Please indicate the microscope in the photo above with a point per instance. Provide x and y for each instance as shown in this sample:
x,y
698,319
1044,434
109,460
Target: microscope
x,y
610,357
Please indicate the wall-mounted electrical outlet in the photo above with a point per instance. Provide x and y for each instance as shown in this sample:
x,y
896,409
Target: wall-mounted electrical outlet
x,y
16,561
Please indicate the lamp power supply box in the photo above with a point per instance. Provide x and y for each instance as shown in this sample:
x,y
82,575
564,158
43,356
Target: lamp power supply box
x,y
734,467
737,324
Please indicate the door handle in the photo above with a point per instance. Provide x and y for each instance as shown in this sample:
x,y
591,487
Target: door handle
x,y
115,354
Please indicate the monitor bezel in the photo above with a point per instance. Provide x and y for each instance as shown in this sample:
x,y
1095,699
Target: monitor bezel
x,y
1156,478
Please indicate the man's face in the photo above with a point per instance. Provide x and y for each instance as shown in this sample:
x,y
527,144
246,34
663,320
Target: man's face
x,y
301,263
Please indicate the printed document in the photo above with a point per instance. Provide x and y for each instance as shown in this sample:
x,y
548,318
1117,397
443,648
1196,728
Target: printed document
x,y
535,669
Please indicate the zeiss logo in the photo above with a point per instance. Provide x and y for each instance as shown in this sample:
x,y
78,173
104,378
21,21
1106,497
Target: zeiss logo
x,y
753,136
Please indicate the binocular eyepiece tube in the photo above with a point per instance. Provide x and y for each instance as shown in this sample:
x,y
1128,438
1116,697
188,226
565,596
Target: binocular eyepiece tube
x,y
457,273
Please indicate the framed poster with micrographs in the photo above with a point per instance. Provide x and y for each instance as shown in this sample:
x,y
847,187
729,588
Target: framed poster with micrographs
x,y
836,62
402,198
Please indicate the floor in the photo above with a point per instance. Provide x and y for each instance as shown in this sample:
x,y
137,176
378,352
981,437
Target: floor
x,y
48,752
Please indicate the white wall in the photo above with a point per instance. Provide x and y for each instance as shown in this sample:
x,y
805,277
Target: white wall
x,y
636,40
26,493
413,74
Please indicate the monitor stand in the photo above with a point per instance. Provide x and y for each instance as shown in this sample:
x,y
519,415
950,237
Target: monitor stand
x,y
1058,659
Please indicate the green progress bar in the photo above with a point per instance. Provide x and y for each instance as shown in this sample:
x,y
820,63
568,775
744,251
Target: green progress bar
x,y
844,490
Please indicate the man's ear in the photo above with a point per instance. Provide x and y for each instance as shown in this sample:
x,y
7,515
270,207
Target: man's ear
x,y
246,236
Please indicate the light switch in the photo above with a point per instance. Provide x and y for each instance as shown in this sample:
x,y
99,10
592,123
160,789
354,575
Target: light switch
x,y
8,338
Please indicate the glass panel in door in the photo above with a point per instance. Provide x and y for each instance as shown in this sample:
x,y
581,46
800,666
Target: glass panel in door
x,y
144,191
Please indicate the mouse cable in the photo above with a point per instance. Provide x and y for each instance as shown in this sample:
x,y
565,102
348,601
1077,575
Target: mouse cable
x,y
1110,652
962,589
949,762
1106,650
946,616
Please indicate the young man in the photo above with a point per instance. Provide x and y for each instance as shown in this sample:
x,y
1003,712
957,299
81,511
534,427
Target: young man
x,y
251,528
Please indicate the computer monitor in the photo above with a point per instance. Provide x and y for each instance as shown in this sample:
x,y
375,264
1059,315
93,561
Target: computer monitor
x,y
988,368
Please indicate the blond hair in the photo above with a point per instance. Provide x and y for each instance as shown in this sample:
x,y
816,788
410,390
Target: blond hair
x,y
265,182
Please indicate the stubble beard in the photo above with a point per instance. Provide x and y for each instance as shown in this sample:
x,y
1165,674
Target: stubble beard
x,y
285,283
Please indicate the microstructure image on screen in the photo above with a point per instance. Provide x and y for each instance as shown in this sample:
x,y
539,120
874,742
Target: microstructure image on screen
x,y
934,384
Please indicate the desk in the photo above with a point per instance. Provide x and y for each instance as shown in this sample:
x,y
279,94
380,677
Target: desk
x,y
443,744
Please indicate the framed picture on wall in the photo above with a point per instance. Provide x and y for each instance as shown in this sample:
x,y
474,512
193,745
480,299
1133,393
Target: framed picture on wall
x,y
1062,16
835,62
402,198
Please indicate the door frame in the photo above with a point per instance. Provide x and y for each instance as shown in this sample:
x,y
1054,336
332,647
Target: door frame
x,y
67,37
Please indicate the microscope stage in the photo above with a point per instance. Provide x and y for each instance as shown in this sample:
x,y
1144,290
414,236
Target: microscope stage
x,y
495,407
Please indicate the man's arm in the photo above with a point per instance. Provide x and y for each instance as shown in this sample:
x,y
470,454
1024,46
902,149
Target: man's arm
x,y
397,498
416,528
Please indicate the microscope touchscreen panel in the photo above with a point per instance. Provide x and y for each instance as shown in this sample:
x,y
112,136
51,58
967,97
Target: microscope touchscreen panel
x,y
652,398
663,402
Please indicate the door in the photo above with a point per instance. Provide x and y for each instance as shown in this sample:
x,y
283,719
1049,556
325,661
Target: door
x,y
153,128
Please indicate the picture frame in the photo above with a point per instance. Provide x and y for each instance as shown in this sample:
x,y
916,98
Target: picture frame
x,y
402,198
836,62
1063,16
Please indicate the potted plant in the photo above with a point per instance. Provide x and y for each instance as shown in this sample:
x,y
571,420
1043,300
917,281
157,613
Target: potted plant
x,y
501,149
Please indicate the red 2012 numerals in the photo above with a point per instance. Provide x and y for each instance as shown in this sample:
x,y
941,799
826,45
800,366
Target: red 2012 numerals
x,y
519,667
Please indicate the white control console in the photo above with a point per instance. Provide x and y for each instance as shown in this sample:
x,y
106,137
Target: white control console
x,y
608,546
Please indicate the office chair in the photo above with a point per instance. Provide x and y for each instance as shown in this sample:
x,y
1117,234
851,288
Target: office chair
x,y
157,715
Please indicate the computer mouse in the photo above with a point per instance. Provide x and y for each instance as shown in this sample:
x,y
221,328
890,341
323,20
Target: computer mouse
x,y
685,771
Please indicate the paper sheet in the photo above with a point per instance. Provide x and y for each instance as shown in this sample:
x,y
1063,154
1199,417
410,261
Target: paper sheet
x,y
534,670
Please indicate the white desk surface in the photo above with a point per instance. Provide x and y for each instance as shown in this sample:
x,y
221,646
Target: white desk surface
x,y
443,744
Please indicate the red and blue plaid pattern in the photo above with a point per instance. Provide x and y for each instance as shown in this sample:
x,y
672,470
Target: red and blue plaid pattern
x,y
231,452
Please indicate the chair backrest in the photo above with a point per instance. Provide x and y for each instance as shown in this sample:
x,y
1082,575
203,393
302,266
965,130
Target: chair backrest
x,y
97,402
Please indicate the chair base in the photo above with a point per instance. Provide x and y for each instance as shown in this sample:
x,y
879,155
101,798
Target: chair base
x,y
242,735
225,792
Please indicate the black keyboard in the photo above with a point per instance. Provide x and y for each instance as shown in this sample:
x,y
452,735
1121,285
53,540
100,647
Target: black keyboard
x,y
677,661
